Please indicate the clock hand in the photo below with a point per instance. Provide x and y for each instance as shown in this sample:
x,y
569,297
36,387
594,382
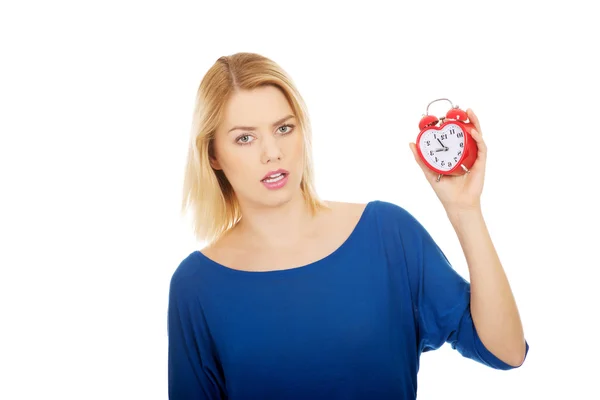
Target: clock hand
x,y
444,149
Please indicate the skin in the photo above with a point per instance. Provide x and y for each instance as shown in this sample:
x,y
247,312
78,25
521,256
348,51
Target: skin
x,y
493,306
276,225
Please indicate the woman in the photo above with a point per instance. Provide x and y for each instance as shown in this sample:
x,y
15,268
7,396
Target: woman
x,y
294,297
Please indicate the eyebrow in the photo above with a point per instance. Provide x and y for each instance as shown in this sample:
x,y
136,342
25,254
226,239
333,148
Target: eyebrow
x,y
249,128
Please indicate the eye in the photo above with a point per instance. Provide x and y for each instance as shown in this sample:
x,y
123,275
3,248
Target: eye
x,y
244,139
289,130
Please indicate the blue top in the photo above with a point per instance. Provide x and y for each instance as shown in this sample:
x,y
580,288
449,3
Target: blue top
x,y
349,326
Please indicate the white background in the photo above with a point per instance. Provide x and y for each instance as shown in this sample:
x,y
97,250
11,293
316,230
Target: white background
x,y
96,101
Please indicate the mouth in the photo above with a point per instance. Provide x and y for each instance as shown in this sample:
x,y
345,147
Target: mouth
x,y
275,177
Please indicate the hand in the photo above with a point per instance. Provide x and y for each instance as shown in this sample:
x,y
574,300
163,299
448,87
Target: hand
x,y
460,193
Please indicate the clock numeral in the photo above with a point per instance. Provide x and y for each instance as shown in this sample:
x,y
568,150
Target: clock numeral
x,y
443,163
460,152
436,159
462,144
442,136
431,152
455,159
452,131
460,134
428,143
449,164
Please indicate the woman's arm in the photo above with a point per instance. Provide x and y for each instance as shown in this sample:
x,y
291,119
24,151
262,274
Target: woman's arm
x,y
493,307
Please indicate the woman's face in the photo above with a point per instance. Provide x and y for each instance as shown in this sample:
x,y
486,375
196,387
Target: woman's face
x,y
259,136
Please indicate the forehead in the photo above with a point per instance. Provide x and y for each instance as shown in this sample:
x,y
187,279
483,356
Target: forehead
x,y
257,107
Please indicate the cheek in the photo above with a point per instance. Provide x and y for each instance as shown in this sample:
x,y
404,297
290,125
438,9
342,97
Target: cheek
x,y
232,160
296,147
237,163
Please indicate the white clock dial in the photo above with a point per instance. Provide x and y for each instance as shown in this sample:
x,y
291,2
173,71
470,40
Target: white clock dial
x,y
443,148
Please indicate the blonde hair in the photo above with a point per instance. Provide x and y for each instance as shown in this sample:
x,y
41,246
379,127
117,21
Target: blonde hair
x,y
206,191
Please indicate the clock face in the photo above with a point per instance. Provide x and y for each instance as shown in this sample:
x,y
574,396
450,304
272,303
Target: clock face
x,y
443,148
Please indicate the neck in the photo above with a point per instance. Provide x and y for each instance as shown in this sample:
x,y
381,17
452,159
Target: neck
x,y
276,226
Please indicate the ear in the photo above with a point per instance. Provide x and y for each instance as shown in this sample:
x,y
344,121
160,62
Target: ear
x,y
214,163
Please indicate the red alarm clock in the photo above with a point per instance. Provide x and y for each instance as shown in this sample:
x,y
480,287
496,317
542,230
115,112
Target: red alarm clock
x,y
445,144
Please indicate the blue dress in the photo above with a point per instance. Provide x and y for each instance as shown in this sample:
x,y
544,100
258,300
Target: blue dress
x,y
349,326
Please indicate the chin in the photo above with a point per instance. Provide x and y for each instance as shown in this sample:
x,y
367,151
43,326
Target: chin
x,y
285,194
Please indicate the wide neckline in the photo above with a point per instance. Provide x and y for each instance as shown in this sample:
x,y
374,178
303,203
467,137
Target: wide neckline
x,y
301,268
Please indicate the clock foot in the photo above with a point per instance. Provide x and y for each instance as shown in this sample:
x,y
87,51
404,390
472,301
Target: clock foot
x,y
465,168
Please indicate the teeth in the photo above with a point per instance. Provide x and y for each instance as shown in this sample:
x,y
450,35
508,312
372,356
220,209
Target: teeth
x,y
274,178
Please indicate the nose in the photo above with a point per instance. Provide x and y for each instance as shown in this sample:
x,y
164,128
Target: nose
x,y
270,150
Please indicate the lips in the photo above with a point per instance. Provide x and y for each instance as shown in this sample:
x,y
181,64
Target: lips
x,y
275,174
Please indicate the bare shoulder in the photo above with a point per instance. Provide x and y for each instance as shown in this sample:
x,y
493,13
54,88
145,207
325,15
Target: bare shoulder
x,y
346,212
341,216
222,248
327,231
348,207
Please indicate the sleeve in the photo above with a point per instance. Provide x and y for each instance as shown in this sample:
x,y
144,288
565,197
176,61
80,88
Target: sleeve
x,y
192,366
441,297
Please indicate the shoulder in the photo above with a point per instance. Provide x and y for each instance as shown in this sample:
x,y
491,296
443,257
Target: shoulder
x,y
393,218
386,211
346,209
377,207
188,270
377,214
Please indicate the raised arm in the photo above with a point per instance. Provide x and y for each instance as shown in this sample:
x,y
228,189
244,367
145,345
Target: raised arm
x,y
492,303
493,307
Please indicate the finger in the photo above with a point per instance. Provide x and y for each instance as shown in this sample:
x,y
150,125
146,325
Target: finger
x,y
431,175
481,146
476,135
474,120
